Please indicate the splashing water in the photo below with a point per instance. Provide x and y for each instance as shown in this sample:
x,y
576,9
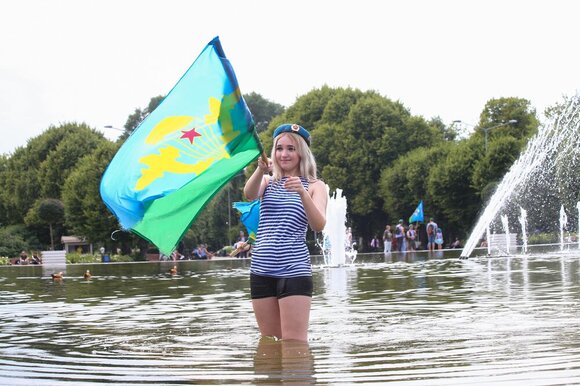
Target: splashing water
x,y
563,223
523,223
506,229
550,159
335,230
578,230
488,238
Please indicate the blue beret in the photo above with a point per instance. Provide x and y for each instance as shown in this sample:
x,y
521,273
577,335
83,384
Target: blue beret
x,y
293,128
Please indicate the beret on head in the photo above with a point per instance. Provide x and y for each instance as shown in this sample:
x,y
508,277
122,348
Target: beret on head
x,y
293,128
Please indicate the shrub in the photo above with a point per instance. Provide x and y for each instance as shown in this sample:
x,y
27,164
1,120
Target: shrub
x,y
4,260
12,241
543,238
76,258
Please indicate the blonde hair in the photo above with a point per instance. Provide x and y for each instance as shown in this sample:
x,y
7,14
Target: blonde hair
x,y
307,162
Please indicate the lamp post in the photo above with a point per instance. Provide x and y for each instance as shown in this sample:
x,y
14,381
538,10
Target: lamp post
x,y
112,127
486,129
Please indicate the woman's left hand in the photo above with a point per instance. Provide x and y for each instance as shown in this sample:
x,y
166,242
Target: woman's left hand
x,y
293,184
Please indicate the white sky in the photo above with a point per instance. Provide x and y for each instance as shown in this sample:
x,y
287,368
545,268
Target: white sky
x,y
96,61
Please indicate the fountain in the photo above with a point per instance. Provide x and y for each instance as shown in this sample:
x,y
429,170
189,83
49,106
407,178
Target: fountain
x,y
523,223
335,248
506,229
578,229
563,223
542,177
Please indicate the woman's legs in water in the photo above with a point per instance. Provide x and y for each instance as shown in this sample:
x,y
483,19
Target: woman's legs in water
x,y
267,314
294,317
286,318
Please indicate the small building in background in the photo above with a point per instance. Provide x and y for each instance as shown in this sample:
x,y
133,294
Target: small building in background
x,y
75,244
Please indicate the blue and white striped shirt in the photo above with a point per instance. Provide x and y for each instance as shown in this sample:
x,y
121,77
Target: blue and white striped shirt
x,y
280,249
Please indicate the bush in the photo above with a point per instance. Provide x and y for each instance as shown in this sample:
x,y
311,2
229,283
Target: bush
x,y
76,258
543,238
87,258
122,259
12,241
4,261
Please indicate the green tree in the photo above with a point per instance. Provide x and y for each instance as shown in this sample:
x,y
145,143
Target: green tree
x,y
39,169
449,187
79,141
355,135
494,164
16,238
502,110
404,183
48,211
138,116
85,213
263,110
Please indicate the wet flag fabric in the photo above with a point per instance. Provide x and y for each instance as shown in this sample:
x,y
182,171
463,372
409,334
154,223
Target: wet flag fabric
x,y
250,216
417,215
198,138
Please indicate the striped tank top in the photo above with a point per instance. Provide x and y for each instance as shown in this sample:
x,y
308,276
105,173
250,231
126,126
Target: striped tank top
x,y
280,250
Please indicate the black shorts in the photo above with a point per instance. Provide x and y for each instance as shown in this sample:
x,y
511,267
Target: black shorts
x,y
267,287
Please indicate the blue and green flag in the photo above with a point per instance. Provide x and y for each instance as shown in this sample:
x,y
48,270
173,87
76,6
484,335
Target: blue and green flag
x,y
250,216
417,215
198,138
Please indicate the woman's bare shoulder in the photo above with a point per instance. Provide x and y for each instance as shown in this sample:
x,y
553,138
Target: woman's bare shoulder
x,y
317,184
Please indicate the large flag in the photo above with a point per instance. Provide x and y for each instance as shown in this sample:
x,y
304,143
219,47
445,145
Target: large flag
x,y
250,216
183,153
417,215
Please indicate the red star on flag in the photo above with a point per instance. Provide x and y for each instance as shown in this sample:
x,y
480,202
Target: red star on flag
x,y
191,134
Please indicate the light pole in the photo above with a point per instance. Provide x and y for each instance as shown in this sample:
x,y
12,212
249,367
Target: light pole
x,y
112,127
486,129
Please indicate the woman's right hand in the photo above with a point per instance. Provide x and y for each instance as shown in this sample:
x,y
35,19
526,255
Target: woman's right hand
x,y
265,166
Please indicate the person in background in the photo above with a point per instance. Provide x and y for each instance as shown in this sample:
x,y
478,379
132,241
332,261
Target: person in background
x,y
431,229
456,243
411,236
375,244
348,238
439,238
292,199
387,239
241,243
400,236
22,259
35,259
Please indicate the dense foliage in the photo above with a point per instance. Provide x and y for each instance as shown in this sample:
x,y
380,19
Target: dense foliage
x,y
384,158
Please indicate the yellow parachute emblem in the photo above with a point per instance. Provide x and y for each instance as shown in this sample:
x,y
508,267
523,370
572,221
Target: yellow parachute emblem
x,y
205,150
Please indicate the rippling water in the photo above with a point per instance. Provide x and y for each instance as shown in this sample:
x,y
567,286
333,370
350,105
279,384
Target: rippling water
x,y
407,319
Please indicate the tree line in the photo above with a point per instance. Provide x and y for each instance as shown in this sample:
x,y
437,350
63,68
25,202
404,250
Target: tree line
x,y
384,158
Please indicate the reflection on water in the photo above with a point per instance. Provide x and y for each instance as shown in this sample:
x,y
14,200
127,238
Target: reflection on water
x,y
408,318
278,361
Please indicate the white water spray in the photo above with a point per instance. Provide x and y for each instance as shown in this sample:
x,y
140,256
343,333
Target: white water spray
x,y
506,229
546,149
488,235
563,224
578,230
335,229
523,222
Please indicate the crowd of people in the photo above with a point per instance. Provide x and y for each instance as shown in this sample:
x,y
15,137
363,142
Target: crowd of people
x,y
200,252
24,260
402,238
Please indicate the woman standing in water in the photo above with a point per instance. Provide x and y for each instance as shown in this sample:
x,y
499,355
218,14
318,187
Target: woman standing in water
x,y
291,199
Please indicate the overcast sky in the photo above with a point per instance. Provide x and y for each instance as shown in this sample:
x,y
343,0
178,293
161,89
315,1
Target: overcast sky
x,y
96,61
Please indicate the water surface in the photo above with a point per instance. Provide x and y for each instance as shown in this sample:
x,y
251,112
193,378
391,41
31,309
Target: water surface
x,y
408,319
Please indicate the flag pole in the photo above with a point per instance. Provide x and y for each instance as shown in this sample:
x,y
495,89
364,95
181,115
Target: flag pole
x,y
264,157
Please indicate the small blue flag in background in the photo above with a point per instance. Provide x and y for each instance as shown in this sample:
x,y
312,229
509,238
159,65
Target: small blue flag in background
x,y
417,215
250,216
